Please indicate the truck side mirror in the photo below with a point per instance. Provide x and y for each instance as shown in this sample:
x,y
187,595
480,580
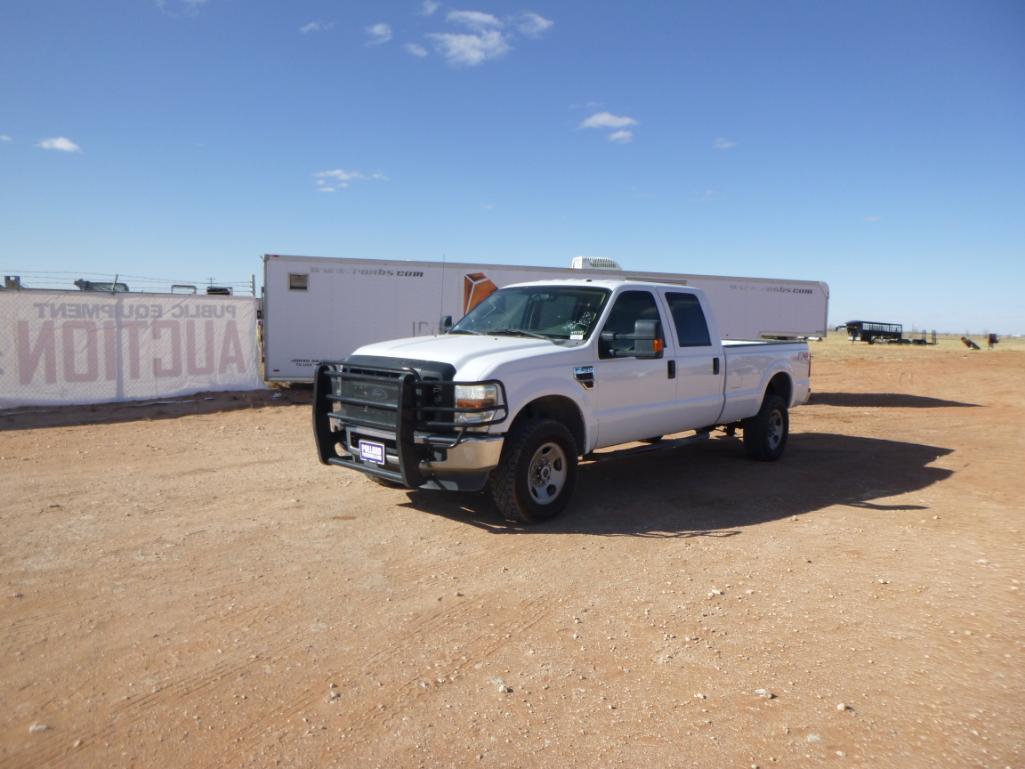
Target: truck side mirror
x,y
445,324
647,338
644,342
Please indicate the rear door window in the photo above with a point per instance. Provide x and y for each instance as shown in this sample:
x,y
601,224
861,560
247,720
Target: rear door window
x,y
689,320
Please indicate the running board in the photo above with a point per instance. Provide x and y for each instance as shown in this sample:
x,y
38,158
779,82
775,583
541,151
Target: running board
x,y
604,456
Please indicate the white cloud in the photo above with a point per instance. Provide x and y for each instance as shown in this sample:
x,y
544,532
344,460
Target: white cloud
x,y
533,24
415,49
316,26
487,36
475,20
59,143
428,7
340,179
722,143
617,126
5,138
471,49
379,33
171,7
607,120
873,218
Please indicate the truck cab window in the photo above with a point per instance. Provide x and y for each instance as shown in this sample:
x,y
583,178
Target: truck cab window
x,y
691,327
617,335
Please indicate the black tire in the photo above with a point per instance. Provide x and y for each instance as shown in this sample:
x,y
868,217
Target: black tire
x,y
517,485
765,434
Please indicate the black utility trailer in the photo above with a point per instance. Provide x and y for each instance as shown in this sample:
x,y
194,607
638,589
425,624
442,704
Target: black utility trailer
x,y
872,332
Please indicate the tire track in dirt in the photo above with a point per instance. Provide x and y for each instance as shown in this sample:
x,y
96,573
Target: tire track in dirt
x,y
126,714
91,603
532,611
480,646
376,663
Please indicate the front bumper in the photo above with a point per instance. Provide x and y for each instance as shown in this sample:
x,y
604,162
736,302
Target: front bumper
x,y
453,459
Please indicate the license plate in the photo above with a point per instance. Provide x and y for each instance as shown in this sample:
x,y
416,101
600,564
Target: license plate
x,y
370,451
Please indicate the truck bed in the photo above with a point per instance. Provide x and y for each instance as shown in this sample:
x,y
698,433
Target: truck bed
x,y
746,363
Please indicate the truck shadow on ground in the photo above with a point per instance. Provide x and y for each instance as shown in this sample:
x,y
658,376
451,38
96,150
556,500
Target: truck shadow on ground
x,y
713,490
884,400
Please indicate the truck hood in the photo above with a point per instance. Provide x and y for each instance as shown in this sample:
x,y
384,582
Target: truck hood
x,y
474,357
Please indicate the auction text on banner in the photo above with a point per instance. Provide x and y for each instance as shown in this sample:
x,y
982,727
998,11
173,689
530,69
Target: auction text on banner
x,y
66,347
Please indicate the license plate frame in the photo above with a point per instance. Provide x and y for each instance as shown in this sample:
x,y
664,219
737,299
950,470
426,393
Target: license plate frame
x,y
372,451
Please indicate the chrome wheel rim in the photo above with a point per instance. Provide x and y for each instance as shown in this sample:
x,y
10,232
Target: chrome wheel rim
x,y
546,475
775,435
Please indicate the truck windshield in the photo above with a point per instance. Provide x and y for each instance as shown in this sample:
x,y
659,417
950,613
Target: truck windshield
x,y
551,312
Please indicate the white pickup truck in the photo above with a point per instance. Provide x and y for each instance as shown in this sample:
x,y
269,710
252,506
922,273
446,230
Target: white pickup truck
x,y
540,374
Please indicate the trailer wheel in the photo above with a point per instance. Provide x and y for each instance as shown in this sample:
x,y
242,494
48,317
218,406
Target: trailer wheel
x,y
535,477
765,434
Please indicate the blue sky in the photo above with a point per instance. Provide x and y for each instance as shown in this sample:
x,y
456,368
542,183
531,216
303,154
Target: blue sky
x,y
879,146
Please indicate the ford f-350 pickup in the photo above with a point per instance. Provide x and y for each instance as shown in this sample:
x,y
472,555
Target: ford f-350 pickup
x,y
540,374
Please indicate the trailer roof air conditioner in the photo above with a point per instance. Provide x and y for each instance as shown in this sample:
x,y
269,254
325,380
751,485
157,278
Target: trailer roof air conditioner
x,y
594,263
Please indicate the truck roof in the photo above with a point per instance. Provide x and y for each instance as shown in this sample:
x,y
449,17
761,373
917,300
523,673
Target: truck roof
x,y
609,283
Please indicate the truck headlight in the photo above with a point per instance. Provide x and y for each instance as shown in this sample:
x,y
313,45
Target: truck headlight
x,y
477,396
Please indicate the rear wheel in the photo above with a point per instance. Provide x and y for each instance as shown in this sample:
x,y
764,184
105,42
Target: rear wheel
x,y
765,434
535,477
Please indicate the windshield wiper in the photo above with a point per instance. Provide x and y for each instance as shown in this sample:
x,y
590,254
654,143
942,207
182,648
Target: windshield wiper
x,y
463,331
520,332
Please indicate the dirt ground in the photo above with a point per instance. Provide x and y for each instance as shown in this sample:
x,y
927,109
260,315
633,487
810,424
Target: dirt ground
x,y
184,585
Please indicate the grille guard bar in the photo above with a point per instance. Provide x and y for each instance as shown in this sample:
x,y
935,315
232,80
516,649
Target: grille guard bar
x,y
408,416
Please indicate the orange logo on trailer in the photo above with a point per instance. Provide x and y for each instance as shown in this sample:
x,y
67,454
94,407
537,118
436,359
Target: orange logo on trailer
x,y
476,288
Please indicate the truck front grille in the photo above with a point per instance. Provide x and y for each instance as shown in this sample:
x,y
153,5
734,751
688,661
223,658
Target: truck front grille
x,y
368,397
372,397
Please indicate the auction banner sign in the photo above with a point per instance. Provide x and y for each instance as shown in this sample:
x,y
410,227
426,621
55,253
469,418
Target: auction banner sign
x,y
61,347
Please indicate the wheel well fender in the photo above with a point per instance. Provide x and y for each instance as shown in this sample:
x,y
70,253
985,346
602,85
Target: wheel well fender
x,y
561,409
780,384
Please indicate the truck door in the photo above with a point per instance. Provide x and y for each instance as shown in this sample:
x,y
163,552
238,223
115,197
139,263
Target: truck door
x,y
699,361
633,396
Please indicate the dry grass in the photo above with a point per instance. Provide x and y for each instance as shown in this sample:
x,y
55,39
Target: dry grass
x,y
837,345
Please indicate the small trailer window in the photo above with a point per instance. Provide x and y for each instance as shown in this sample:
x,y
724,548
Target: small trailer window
x,y
298,281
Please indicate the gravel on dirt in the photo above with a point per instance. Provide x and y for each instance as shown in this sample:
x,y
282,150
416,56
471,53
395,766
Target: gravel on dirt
x,y
183,582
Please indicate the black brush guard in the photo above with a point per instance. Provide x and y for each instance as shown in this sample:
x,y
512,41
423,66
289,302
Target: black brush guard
x,y
397,405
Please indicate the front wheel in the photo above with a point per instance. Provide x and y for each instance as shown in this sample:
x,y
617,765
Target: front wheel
x,y
535,477
765,434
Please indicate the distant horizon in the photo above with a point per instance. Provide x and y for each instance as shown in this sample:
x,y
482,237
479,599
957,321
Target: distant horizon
x,y
67,284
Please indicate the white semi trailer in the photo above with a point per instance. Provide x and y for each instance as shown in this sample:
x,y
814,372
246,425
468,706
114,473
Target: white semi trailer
x,y
323,308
